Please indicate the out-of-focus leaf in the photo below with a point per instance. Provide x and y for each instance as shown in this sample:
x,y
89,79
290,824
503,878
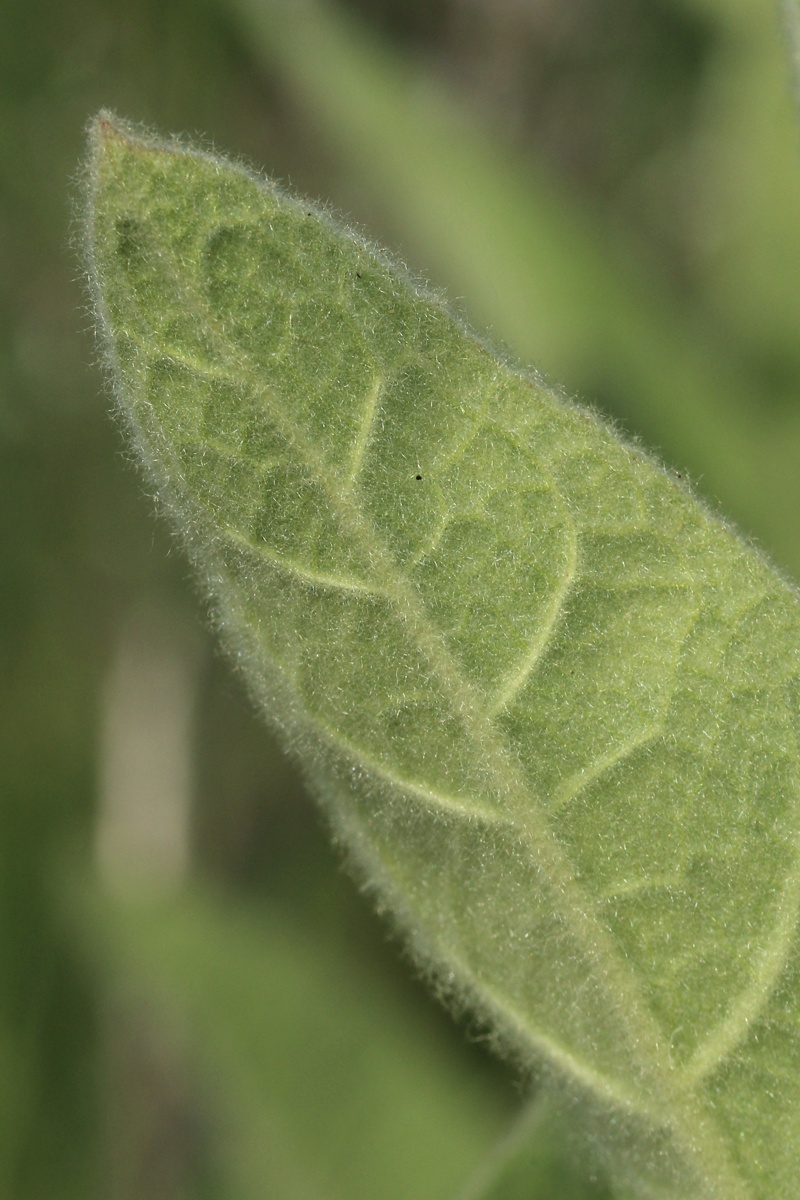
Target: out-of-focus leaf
x,y
746,176
326,1086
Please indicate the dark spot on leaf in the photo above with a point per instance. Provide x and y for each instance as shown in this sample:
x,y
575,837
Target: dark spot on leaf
x,y
129,239
419,477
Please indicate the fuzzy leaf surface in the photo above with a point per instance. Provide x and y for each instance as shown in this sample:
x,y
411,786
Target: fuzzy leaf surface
x,y
550,702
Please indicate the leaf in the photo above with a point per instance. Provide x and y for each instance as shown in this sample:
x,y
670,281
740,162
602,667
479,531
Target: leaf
x,y
549,700
560,284
322,1083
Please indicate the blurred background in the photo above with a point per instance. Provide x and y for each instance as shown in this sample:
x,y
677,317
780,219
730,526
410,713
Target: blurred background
x,y
194,1000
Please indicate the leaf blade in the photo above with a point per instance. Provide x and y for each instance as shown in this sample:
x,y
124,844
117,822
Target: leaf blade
x,y
544,693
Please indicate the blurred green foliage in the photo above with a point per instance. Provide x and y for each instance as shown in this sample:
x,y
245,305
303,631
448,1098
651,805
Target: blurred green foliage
x,y
610,187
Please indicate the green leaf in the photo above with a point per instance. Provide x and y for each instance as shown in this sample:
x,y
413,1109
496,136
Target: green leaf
x,y
549,700
561,284
322,1083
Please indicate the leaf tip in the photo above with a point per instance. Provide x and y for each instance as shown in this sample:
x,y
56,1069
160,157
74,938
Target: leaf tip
x,y
108,132
104,126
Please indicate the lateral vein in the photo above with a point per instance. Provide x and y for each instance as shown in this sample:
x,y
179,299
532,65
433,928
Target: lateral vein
x,y
366,428
432,797
306,574
518,677
749,1004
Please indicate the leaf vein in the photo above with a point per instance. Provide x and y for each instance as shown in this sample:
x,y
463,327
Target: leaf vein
x,y
516,679
749,1004
304,573
369,417
432,797
586,776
